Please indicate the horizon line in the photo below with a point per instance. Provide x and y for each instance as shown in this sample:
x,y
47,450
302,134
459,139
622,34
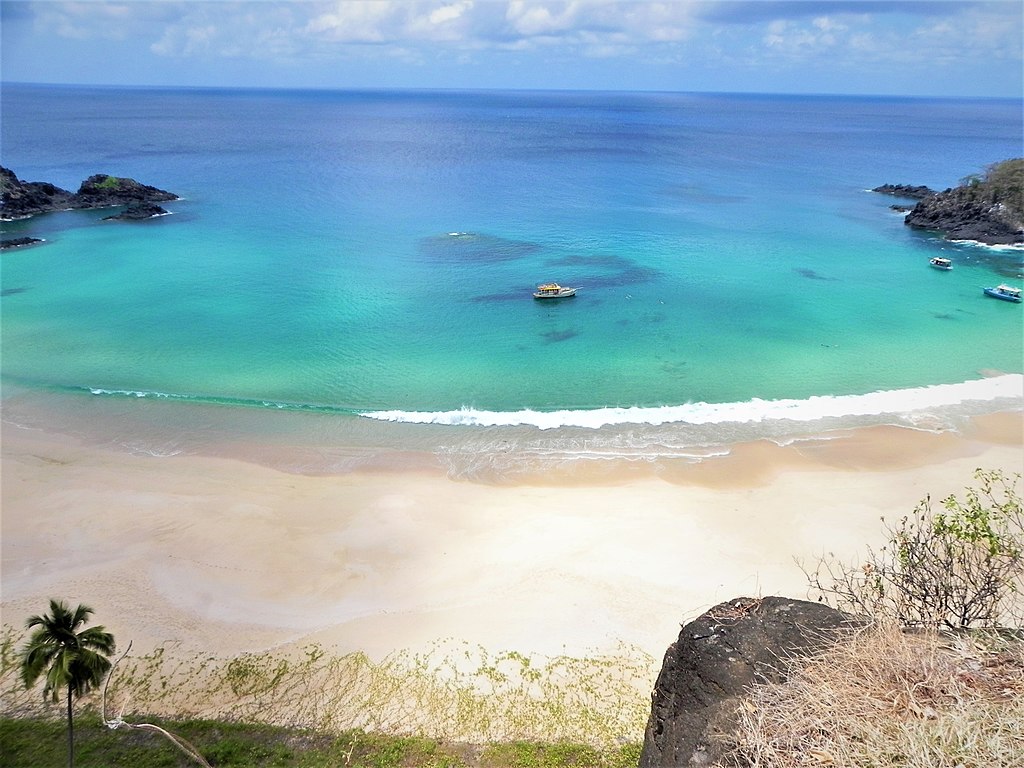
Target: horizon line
x,y
457,89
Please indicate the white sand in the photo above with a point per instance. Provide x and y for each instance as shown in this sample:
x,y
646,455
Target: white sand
x,y
221,556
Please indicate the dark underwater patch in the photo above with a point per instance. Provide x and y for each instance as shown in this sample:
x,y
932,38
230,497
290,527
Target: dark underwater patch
x,y
621,271
494,298
810,274
555,336
696,193
472,248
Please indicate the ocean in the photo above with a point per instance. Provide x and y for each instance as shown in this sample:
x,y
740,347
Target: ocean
x,y
348,275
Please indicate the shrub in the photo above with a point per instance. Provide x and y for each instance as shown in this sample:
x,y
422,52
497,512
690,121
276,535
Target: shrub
x,y
960,567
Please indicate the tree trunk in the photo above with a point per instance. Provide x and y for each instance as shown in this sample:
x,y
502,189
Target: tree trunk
x,y
71,734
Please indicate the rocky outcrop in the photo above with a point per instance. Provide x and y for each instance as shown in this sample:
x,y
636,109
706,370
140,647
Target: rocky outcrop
x,y
961,214
905,190
707,671
988,208
101,191
18,242
137,212
21,199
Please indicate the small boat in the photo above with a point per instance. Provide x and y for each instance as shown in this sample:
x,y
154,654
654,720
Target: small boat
x,y
553,291
1004,292
940,263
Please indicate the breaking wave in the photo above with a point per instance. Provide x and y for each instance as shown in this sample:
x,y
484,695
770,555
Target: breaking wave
x,y
1008,387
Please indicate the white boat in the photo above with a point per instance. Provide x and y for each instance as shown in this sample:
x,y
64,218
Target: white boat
x,y
553,291
1004,292
940,263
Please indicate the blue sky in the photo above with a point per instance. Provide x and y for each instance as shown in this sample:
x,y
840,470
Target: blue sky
x,y
905,47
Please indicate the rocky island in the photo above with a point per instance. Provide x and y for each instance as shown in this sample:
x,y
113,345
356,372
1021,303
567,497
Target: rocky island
x,y
987,208
22,199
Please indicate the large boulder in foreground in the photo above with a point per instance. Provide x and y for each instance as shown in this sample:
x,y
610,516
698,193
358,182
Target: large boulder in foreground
x,y
716,659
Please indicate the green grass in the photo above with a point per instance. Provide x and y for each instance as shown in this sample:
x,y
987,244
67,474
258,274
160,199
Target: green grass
x,y
42,743
111,182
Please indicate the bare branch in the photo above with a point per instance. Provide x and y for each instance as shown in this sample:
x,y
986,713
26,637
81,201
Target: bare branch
x,y
960,567
119,722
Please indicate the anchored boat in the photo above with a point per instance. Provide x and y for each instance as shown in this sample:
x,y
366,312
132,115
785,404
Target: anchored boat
x,y
553,291
1004,292
940,263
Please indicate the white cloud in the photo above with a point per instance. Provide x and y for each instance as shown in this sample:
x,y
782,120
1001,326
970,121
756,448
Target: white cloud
x,y
827,24
667,33
354,21
447,13
85,21
530,19
446,23
806,38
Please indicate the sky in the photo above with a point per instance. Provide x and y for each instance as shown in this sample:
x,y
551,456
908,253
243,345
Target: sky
x,y
956,48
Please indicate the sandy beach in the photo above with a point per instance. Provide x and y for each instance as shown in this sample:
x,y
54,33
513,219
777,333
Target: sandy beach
x,y
226,557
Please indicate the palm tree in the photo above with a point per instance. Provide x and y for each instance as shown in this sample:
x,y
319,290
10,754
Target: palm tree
x,y
72,659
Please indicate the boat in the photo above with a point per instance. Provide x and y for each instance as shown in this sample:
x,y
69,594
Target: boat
x,y
940,263
553,291
1004,292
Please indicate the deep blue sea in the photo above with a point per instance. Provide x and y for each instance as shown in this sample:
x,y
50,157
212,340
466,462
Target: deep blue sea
x,y
350,273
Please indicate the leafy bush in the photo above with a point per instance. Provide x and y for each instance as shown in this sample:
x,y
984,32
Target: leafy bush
x,y
960,567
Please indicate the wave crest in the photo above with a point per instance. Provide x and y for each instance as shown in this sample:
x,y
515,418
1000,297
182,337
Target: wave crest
x,y
1009,387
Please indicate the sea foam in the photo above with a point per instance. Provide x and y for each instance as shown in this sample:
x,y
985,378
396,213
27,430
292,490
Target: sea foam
x,y
1008,387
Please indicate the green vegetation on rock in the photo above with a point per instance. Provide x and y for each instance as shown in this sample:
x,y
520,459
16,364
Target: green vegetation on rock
x,y
110,182
1000,183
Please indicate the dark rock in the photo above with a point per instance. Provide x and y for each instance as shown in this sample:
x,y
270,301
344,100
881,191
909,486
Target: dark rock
x,y
901,208
102,191
21,199
905,190
986,207
707,671
17,242
964,214
137,212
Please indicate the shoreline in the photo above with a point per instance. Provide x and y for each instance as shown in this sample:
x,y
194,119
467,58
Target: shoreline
x,y
491,447
219,555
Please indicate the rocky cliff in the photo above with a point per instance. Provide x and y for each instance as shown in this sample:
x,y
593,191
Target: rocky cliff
x,y
20,199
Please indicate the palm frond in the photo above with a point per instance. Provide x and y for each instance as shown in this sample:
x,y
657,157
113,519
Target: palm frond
x,y
63,656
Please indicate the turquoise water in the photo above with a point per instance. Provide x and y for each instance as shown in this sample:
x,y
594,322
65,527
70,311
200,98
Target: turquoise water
x,y
340,259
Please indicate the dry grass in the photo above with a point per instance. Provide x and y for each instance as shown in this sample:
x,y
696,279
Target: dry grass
x,y
452,691
890,698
